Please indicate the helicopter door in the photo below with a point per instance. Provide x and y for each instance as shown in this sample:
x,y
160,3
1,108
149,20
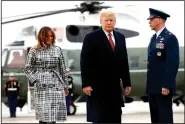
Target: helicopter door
x,y
30,92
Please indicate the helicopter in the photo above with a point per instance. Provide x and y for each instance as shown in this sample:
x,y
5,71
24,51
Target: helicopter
x,y
70,36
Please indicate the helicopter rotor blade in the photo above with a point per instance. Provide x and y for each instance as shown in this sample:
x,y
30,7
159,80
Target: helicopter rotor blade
x,y
42,15
92,7
27,14
103,7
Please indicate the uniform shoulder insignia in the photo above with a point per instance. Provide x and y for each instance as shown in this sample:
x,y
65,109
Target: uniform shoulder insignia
x,y
168,34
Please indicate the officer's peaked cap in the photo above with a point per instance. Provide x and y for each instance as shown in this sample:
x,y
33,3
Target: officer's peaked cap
x,y
154,13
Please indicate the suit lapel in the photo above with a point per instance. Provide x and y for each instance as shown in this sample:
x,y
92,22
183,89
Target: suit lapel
x,y
153,43
156,40
151,40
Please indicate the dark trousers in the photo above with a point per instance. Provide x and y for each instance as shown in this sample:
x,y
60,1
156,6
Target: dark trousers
x,y
161,108
68,102
111,116
12,103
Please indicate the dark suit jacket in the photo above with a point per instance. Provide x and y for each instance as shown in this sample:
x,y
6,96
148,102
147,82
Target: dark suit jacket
x,y
102,68
163,63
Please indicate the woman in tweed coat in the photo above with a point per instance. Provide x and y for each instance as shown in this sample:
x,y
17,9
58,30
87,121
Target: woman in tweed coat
x,y
45,68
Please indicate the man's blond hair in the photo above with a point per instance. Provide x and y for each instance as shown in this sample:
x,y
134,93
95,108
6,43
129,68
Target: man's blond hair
x,y
106,12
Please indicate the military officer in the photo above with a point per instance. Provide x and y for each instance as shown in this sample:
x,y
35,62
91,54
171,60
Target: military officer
x,y
69,96
12,87
163,63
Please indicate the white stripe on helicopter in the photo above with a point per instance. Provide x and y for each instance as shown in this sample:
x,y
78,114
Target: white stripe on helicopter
x,y
78,72
131,71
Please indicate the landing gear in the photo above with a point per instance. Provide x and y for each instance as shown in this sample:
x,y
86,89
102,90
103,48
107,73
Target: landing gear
x,y
72,106
72,109
179,99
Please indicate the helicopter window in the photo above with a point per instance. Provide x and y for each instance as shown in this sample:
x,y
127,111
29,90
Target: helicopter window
x,y
29,31
74,60
16,43
76,33
127,33
16,59
4,56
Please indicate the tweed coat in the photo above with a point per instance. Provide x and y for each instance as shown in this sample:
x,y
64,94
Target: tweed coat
x,y
45,68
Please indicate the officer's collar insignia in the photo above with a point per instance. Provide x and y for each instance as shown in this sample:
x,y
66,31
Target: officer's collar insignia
x,y
162,38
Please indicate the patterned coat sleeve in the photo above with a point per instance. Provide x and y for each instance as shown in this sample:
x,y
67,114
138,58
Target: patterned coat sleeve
x,y
63,70
29,69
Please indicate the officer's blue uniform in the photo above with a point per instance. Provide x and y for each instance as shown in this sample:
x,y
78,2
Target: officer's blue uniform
x,y
163,63
12,92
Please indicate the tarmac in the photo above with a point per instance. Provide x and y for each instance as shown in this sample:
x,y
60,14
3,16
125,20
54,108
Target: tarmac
x,y
136,112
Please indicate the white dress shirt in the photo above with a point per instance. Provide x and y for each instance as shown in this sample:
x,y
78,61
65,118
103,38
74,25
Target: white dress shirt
x,y
158,33
107,34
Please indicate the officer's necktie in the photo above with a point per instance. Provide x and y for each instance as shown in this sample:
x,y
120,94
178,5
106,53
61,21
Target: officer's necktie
x,y
111,41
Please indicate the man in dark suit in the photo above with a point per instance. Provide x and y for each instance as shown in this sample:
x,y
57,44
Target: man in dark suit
x,y
103,63
163,63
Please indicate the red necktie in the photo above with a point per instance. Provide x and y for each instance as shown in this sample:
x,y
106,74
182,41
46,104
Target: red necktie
x,y
111,41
